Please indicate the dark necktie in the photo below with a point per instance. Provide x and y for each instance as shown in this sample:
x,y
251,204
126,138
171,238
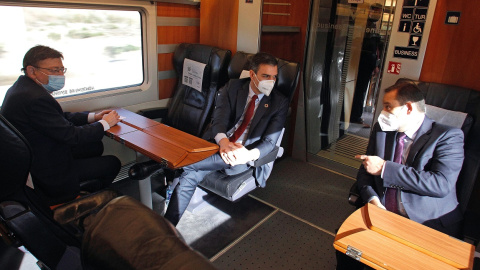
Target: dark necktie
x,y
246,119
391,194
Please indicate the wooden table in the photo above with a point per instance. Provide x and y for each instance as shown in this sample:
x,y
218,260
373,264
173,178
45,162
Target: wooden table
x,y
389,241
166,145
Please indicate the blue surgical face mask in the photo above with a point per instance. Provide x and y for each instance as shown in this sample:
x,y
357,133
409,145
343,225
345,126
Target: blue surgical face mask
x,y
55,83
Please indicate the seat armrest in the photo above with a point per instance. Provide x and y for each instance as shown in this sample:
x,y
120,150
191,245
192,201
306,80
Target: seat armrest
x,y
154,113
354,196
268,158
9,209
38,238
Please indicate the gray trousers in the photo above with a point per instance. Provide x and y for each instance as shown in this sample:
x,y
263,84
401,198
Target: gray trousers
x,y
187,183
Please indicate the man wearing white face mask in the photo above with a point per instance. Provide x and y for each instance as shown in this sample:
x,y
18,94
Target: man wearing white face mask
x,y
246,123
67,147
412,163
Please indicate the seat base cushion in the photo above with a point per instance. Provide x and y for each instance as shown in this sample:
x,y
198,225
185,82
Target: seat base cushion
x,y
225,185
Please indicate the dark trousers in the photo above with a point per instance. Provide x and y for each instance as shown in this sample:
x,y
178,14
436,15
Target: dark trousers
x,y
192,175
94,171
365,70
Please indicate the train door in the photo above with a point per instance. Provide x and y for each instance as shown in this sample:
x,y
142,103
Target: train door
x,y
346,46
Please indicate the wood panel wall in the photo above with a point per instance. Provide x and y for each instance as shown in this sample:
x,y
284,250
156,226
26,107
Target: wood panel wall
x,y
452,54
286,45
219,23
176,23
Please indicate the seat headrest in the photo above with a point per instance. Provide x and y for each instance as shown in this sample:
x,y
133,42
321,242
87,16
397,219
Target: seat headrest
x,y
451,118
288,72
15,159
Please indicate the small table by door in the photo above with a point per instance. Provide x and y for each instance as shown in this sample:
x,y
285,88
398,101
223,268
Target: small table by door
x,y
384,240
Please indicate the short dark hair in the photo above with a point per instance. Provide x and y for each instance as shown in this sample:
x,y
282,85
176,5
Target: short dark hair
x,y
262,58
39,53
408,91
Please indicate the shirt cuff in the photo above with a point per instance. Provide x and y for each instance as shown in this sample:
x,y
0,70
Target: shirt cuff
x,y
219,137
371,198
383,168
105,125
91,117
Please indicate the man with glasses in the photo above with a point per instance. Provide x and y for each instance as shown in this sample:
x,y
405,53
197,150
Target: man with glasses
x,y
67,147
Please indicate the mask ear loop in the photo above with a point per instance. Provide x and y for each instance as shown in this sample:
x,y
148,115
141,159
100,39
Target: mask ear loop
x,y
256,85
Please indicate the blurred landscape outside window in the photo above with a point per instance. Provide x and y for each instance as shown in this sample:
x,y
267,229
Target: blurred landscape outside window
x,y
102,49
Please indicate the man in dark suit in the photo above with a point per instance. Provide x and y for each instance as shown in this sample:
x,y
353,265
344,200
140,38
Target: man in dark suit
x,y
239,143
425,175
411,165
66,147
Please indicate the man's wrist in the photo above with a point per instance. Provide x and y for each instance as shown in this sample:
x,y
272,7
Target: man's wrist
x,y
219,137
105,125
383,168
91,117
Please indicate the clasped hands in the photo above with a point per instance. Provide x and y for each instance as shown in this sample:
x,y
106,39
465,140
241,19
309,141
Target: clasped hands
x,y
234,153
110,116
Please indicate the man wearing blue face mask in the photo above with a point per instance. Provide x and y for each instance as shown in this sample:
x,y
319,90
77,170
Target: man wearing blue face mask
x,y
66,147
246,124
412,163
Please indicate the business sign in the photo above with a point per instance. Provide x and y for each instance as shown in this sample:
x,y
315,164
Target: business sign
x,y
405,52
412,21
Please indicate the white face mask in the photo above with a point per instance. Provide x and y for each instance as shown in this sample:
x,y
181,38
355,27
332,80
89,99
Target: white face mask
x,y
389,121
265,86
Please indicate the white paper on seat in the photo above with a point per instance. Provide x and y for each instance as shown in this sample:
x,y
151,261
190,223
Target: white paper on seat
x,y
244,74
446,117
193,74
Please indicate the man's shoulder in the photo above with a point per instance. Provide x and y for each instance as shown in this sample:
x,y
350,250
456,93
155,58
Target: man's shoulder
x,y
438,128
238,82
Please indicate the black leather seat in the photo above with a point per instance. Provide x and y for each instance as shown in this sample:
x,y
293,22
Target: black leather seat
x,y
233,187
189,109
123,235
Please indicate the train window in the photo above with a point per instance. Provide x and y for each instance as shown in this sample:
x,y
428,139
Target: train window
x,y
102,49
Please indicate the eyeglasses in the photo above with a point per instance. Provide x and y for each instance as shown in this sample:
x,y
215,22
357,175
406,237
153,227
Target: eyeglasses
x,y
56,70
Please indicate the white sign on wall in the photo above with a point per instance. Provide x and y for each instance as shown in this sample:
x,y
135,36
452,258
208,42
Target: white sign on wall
x,y
193,74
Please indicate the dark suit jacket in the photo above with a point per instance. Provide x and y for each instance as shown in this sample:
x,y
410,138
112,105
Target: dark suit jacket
x,y
50,132
266,125
428,179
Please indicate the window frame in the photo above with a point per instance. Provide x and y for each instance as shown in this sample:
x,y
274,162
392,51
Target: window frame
x,y
121,96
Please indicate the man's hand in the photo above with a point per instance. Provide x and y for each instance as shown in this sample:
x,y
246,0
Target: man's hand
x,y
112,118
99,116
226,150
375,201
373,164
235,153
